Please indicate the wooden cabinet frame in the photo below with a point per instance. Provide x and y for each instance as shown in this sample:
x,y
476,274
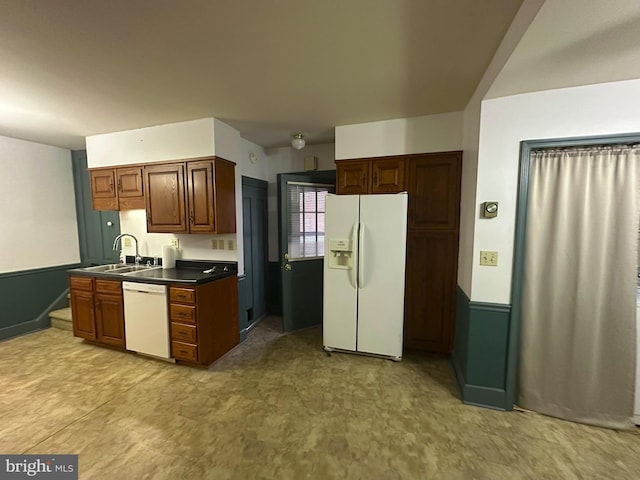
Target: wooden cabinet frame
x,y
97,309
117,188
194,196
371,175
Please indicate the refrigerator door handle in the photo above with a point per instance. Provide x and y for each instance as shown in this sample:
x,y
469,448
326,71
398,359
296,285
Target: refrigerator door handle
x,y
354,254
361,255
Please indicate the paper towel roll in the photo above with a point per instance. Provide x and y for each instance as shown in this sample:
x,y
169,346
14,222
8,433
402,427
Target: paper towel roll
x,y
169,254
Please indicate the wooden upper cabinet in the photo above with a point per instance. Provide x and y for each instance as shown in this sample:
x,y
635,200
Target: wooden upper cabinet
x,y
191,197
103,189
434,191
130,190
387,175
165,198
375,175
200,197
352,177
117,188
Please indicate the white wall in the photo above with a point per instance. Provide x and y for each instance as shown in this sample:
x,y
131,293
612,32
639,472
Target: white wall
x,y
38,226
428,133
469,211
603,109
190,139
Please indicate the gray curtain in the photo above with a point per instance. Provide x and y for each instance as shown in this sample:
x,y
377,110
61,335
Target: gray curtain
x,y
578,343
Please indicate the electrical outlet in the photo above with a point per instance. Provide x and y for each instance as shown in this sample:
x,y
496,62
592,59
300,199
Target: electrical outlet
x,y
214,244
127,241
174,243
230,245
489,258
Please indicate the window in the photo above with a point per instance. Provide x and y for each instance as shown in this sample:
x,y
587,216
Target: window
x,y
306,219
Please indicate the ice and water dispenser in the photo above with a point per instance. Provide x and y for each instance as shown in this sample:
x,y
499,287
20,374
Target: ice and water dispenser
x,y
341,253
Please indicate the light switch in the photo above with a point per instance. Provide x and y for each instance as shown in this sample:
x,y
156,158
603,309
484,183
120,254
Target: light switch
x,y
489,258
127,241
230,245
174,243
214,244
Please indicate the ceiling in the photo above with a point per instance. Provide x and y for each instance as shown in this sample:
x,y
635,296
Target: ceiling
x,y
574,43
72,68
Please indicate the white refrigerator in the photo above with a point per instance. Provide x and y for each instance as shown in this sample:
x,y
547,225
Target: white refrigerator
x,y
364,267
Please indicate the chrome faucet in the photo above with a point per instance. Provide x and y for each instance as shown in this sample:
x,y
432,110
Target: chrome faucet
x,y
115,245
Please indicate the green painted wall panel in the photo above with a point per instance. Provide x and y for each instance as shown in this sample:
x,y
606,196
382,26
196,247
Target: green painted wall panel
x,y
242,307
480,352
461,340
488,342
26,295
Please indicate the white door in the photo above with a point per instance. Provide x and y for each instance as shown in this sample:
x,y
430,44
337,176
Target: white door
x,y
382,249
340,295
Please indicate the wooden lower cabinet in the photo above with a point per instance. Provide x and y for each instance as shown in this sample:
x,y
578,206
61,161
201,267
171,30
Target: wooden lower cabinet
x,y
83,313
204,320
110,319
97,310
430,291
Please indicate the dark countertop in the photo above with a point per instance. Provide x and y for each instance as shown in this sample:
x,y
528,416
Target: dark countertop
x,y
186,271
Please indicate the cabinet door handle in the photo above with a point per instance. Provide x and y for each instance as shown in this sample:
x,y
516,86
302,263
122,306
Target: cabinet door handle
x,y
119,185
111,184
192,218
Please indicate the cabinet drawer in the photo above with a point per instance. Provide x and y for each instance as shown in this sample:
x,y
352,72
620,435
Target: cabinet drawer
x,y
182,313
108,286
184,333
184,351
184,295
81,283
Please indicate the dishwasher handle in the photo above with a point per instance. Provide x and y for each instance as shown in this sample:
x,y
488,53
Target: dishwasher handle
x,y
151,288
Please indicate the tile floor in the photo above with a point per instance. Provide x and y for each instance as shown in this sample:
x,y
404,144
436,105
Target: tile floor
x,y
278,408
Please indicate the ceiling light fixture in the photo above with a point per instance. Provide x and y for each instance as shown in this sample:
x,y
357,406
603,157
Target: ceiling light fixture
x,y
298,142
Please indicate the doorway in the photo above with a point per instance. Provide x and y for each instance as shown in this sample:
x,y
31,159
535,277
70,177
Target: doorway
x,y
96,229
546,193
254,227
301,241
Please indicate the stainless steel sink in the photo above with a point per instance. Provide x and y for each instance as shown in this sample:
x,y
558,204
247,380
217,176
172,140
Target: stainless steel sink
x,y
134,268
118,268
105,268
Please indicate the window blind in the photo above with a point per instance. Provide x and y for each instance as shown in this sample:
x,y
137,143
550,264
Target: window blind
x,y
306,207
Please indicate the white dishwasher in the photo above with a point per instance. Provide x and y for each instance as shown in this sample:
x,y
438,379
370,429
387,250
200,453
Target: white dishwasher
x,y
146,322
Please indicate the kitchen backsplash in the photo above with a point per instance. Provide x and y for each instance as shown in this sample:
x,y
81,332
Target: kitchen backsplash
x,y
190,246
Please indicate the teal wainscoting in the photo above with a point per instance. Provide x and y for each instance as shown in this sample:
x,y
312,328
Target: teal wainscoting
x,y
243,315
28,296
274,288
480,352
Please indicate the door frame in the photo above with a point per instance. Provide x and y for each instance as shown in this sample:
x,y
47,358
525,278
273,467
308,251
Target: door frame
x,y
92,224
264,185
517,278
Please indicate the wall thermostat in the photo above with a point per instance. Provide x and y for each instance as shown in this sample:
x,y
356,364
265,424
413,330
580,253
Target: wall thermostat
x,y
489,209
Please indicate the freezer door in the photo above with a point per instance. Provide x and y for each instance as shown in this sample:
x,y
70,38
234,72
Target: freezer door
x,y
340,295
383,240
